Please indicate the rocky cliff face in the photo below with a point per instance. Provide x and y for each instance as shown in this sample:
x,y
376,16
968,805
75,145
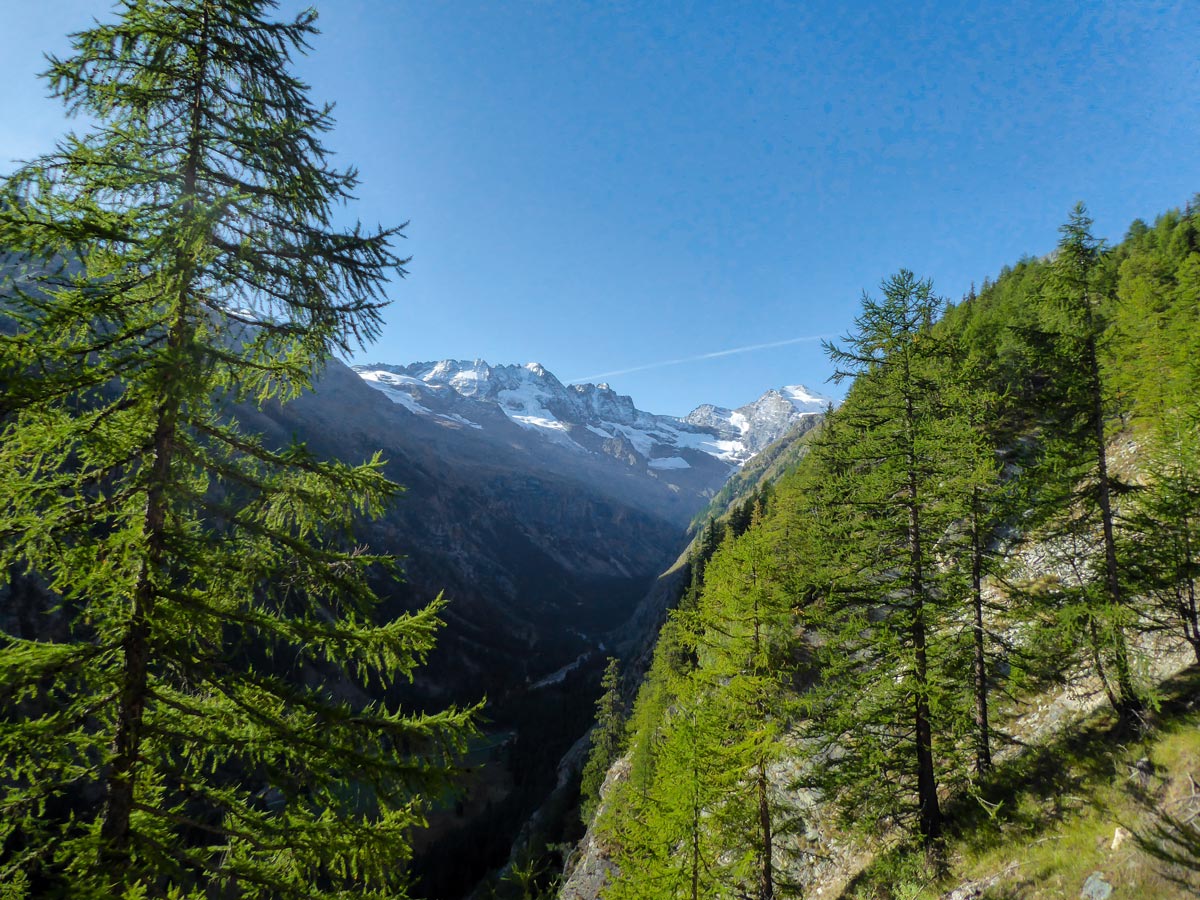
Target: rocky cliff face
x,y
821,859
751,428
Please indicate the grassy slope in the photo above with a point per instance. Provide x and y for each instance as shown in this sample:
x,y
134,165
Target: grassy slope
x,y
1049,816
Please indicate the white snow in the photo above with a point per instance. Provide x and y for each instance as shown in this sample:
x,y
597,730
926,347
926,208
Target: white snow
x,y
669,462
642,442
390,386
527,393
523,405
466,383
455,417
390,378
408,401
727,451
805,400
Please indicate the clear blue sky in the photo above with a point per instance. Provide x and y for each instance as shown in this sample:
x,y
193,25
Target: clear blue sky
x,y
602,186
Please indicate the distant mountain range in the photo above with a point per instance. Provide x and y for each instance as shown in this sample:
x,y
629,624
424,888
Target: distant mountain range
x,y
591,418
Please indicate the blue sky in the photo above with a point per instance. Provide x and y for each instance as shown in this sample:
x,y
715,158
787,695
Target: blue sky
x,y
604,186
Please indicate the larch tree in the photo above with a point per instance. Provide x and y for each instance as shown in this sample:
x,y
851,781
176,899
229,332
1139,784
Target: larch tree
x,y
742,637
606,740
1158,365
667,845
976,488
1160,539
189,736
1081,485
880,597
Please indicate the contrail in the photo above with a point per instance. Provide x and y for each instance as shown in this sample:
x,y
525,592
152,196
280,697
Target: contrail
x,y
687,359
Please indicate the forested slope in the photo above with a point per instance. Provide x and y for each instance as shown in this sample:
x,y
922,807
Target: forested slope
x,y
1006,503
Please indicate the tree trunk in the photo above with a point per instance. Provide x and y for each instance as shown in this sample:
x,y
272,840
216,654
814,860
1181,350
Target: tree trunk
x,y
929,812
114,831
1129,703
983,749
1098,661
766,874
1191,620
122,773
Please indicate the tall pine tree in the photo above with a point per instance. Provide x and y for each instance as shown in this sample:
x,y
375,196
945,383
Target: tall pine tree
x,y
1080,483
606,740
742,635
879,506
189,735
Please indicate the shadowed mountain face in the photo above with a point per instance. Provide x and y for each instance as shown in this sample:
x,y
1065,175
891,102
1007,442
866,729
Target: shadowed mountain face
x,y
545,514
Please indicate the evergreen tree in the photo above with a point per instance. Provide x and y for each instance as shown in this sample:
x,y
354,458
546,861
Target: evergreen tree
x,y
606,739
191,736
663,836
879,506
1156,362
1082,488
977,497
742,633
1161,535
696,818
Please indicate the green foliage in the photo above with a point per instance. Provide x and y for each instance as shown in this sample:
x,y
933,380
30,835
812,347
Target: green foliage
x,y
1160,534
695,818
203,727
1078,484
896,465
606,740
666,849
966,434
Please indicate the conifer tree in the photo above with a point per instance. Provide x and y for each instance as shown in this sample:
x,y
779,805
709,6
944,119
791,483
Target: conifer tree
x,y
742,632
1157,365
1082,487
970,410
879,507
665,843
606,739
697,818
1160,540
192,736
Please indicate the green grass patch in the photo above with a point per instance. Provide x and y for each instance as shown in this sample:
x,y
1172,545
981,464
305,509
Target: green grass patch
x,y
1049,817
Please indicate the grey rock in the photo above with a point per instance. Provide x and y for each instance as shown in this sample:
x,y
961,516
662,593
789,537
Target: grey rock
x,y
1096,888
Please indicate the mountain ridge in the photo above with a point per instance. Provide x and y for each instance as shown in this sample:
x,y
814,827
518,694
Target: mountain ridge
x,y
592,418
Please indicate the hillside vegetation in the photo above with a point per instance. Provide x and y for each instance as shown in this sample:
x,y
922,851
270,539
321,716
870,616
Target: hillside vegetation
x,y
1006,504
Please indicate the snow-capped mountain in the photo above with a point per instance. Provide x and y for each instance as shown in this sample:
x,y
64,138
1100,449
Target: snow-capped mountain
x,y
590,418
755,425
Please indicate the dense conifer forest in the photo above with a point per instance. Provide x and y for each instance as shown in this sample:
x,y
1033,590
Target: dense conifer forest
x,y
869,629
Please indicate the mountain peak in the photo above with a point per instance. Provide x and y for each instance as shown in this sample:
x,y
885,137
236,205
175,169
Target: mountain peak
x,y
590,418
801,395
